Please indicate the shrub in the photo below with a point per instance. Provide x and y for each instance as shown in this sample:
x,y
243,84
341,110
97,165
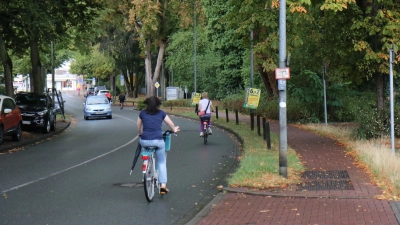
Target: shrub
x,y
140,104
373,123
177,102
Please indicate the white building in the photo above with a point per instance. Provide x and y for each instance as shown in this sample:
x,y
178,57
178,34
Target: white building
x,y
62,78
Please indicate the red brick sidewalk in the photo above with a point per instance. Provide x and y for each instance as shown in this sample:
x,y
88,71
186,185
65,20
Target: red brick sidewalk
x,y
353,203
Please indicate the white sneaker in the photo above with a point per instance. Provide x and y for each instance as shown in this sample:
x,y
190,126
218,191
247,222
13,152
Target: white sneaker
x,y
209,130
201,134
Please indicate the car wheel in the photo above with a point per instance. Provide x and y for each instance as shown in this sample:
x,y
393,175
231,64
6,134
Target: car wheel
x,y
1,135
85,117
18,134
46,128
109,117
53,125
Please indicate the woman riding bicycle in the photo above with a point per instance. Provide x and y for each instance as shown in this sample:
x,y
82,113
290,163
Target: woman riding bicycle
x,y
204,104
149,125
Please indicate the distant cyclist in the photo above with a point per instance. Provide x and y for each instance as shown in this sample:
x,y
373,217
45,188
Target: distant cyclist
x,y
121,99
204,104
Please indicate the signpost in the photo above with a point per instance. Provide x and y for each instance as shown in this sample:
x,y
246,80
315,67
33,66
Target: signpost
x,y
252,98
195,98
157,85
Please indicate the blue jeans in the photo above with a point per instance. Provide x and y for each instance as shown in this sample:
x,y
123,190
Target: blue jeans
x,y
161,159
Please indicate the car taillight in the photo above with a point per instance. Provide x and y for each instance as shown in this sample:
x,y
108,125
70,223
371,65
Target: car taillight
x,y
145,157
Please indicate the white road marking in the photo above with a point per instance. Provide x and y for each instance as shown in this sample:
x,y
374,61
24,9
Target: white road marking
x,y
72,167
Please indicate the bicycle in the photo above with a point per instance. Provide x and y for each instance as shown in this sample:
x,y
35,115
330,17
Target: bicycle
x,y
149,167
205,120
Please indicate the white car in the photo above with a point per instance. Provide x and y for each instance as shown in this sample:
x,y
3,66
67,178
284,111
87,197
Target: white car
x,y
103,92
97,106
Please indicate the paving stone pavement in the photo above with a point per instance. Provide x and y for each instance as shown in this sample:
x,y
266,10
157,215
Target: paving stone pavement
x,y
337,191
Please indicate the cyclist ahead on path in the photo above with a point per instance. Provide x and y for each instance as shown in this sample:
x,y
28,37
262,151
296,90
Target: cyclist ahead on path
x,y
121,98
203,106
149,125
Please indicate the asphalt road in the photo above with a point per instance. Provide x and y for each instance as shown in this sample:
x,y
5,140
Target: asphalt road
x,y
82,175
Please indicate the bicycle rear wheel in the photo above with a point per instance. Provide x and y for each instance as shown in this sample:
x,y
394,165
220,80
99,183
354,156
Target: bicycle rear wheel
x,y
149,180
205,134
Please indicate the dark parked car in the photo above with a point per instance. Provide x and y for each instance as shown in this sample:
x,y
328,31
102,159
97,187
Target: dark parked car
x,y
10,119
36,110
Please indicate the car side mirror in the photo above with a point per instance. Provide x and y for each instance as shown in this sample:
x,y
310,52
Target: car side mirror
x,y
83,104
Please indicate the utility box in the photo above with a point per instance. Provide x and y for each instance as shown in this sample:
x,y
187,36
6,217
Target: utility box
x,y
172,93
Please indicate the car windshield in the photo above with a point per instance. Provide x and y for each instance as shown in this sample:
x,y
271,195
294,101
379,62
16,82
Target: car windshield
x,y
36,100
96,101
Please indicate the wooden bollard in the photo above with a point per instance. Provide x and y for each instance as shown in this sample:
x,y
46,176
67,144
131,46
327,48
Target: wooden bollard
x,y
268,136
258,125
227,116
237,117
264,121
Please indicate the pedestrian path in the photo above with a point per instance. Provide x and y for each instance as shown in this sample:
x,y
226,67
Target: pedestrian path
x,y
335,190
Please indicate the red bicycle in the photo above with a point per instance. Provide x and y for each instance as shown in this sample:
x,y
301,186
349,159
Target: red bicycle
x,y
205,120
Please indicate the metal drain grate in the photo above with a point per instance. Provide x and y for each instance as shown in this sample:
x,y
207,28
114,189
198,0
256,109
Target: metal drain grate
x,y
325,185
325,180
321,175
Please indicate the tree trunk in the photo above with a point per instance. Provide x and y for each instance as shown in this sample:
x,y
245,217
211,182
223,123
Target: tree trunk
x,y
151,78
7,66
38,83
149,73
269,81
379,91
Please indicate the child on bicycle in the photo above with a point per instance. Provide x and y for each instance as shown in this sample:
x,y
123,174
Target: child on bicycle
x,y
149,125
204,104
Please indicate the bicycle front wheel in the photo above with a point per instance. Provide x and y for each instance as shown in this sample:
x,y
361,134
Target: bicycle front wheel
x,y
149,181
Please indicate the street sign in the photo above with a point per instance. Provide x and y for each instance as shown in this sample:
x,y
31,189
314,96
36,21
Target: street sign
x,y
282,73
157,85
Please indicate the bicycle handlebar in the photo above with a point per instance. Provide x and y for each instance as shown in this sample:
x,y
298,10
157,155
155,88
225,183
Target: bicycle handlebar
x,y
169,132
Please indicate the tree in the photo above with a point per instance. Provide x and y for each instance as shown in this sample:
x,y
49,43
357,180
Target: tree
x,y
40,22
122,46
154,21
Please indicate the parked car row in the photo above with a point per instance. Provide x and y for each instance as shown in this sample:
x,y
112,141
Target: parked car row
x,y
98,90
27,109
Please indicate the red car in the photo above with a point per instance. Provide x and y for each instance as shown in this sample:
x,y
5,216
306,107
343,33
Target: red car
x,y
10,119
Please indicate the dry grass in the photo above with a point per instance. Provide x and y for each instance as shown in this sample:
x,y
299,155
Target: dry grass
x,y
375,155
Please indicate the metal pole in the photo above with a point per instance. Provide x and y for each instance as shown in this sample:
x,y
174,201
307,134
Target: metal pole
x,y
282,92
323,76
251,60
391,98
53,83
195,66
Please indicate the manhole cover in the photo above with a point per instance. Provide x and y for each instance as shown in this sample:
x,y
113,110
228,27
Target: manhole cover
x,y
321,175
129,185
325,180
325,185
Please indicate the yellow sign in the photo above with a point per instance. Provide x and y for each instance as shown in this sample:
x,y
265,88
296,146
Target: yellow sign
x,y
252,98
195,98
